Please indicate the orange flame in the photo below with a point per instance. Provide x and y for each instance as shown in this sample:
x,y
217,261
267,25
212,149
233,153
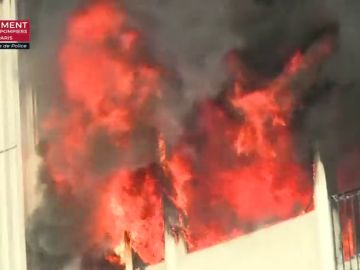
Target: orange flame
x,y
348,240
239,174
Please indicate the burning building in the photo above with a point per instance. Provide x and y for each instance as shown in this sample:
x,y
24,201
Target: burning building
x,y
172,136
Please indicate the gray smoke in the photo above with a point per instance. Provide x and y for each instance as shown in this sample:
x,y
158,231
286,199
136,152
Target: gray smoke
x,y
332,119
54,230
190,39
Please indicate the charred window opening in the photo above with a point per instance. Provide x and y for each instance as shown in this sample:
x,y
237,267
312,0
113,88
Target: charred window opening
x,y
346,229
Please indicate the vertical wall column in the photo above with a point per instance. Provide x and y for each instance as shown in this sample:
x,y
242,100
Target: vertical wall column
x,y
175,251
12,229
31,160
324,220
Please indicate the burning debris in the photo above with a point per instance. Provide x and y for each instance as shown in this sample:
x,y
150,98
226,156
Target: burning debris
x,y
201,146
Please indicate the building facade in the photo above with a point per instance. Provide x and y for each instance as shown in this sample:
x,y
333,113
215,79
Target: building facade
x,y
301,243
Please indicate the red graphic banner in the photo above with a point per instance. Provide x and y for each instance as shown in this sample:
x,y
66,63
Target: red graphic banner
x,y
14,31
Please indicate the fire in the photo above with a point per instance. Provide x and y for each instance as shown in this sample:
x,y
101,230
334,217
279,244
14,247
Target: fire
x,y
235,172
109,93
348,239
240,174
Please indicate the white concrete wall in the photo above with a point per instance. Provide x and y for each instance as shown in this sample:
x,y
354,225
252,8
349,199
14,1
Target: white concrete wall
x,y
12,233
302,243
288,245
324,219
292,244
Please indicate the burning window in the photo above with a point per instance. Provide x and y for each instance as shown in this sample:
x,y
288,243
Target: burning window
x,y
346,222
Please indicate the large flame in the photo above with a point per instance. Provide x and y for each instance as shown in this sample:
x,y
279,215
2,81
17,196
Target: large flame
x,y
245,174
108,92
233,173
